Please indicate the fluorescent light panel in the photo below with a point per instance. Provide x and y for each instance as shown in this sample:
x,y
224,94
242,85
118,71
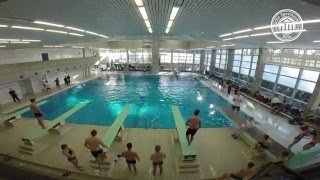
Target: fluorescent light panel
x,y
317,41
173,13
55,31
223,35
103,36
143,13
49,24
19,42
261,34
147,23
242,31
261,27
2,46
275,42
9,39
150,30
240,37
4,42
31,40
167,30
228,45
90,32
169,24
77,47
75,34
227,39
76,29
2,25
52,46
28,28
138,2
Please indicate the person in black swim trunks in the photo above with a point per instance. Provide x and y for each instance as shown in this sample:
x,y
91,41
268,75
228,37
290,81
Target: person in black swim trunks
x,y
157,159
131,157
94,144
37,112
194,124
69,153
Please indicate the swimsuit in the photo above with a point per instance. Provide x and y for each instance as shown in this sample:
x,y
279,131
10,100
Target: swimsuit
x,y
37,114
191,131
96,153
131,161
157,163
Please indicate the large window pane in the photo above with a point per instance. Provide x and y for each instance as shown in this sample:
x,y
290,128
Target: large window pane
x,y
267,84
306,86
269,77
235,69
252,73
310,75
292,72
291,82
255,59
236,63
271,68
254,66
244,71
237,57
246,64
246,58
285,90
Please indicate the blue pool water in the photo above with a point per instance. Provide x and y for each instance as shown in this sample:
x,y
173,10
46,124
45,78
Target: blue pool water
x,y
150,98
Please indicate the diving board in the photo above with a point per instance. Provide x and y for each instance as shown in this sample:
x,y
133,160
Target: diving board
x,y
32,147
7,119
302,158
115,128
187,150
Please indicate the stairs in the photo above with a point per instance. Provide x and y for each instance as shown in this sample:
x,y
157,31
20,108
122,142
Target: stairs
x,y
32,149
187,166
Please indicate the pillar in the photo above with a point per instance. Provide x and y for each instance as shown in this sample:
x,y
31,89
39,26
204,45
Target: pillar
x,y
126,65
213,60
171,65
83,52
202,59
228,72
259,72
155,65
193,61
314,100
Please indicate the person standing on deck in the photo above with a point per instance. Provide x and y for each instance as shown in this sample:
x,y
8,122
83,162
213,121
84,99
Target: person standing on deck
x,y
131,157
57,83
93,144
37,112
14,95
157,160
194,124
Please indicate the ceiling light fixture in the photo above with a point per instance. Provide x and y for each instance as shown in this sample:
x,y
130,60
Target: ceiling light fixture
x,y
147,23
240,37
75,34
55,31
4,42
242,31
223,35
143,13
227,39
49,24
48,46
77,47
76,29
173,15
19,42
228,45
2,25
150,30
90,32
261,34
317,41
9,39
28,28
262,27
138,2
31,40
103,36
275,42
2,46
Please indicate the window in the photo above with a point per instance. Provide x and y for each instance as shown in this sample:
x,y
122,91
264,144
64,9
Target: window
x,y
165,56
269,77
290,82
221,60
310,75
271,68
292,72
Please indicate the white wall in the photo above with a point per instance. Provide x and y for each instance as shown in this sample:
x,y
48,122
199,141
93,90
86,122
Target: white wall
x,y
35,54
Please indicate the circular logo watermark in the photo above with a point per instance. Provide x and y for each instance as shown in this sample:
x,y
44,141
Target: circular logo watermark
x,y
286,25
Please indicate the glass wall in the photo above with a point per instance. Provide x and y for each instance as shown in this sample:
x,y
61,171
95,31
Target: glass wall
x,y
207,60
221,61
183,59
244,66
141,56
117,55
165,59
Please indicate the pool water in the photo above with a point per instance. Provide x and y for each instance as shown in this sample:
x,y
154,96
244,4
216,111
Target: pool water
x,y
150,98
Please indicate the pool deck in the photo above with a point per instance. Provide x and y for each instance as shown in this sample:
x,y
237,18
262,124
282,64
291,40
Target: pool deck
x,y
217,152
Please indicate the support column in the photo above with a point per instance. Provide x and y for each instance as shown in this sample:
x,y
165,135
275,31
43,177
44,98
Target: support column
x,y
83,52
193,61
314,100
171,65
213,59
202,59
228,72
259,72
155,66
126,65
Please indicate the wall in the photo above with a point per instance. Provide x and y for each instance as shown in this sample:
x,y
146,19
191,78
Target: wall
x,y
34,54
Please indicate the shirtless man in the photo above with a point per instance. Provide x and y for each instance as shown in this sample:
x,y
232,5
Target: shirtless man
x,y
94,144
157,159
37,112
244,173
194,124
131,157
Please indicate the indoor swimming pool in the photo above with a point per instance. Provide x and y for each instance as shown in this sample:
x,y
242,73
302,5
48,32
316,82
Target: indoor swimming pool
x,y
149,96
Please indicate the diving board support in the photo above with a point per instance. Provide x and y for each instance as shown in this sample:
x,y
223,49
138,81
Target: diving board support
x,y
57,126
10,119
115,130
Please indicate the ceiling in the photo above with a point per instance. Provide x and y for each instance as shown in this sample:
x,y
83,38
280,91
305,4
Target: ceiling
x,y
196,19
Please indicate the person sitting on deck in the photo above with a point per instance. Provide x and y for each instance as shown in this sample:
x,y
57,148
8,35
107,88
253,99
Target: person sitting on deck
x,y
248,125
244,173
265,143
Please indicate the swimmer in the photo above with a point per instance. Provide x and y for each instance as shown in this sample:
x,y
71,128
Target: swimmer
x,y
93,144
37,112
194,124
